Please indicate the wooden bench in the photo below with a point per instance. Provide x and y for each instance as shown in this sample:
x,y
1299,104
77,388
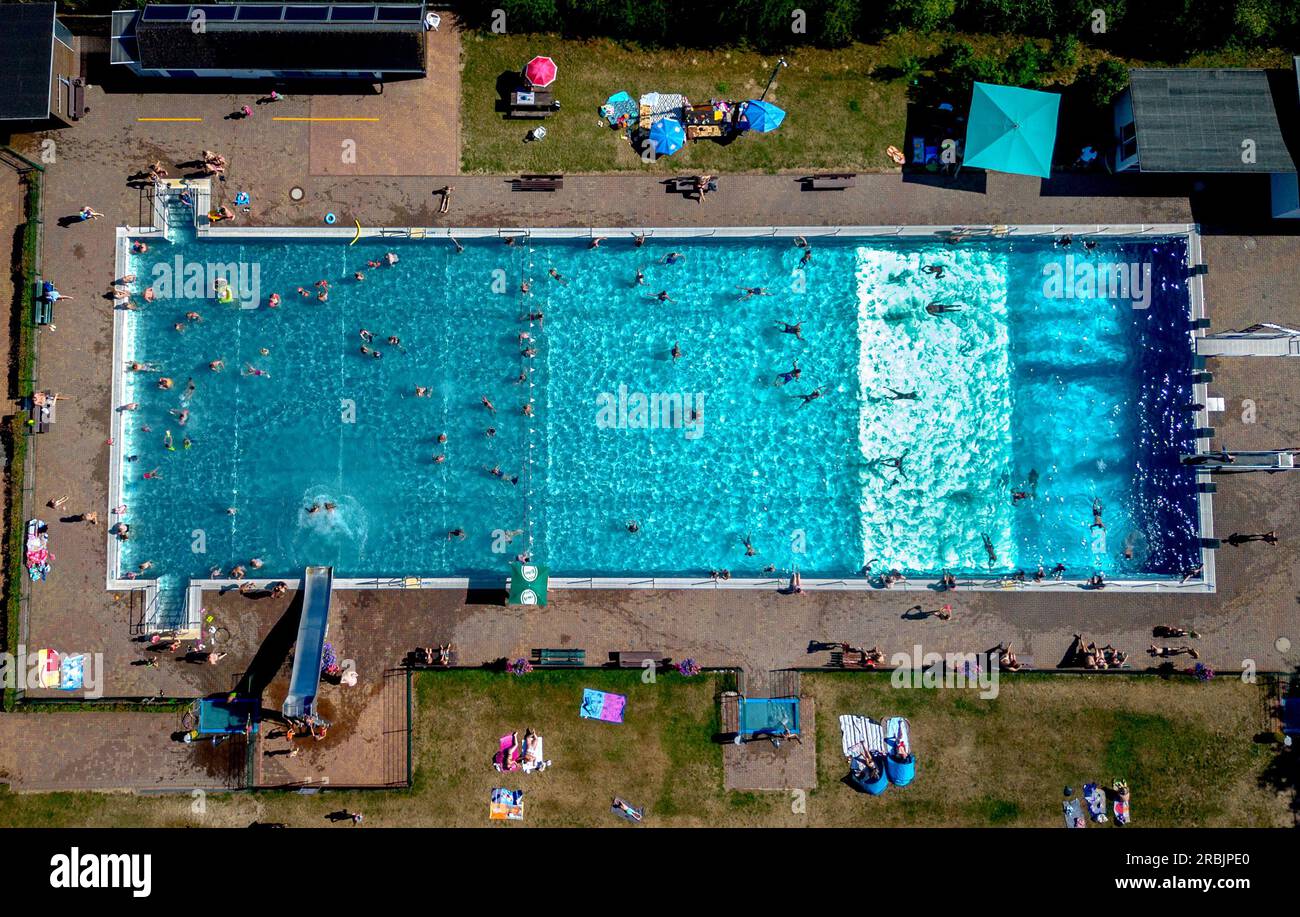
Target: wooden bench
x,y
854,660
559,657
42,415
831,181
537,183
637,659
43,312
77,102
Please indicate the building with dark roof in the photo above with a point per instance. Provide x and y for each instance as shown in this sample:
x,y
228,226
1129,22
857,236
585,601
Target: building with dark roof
x,y
41,70
1212,121
370,41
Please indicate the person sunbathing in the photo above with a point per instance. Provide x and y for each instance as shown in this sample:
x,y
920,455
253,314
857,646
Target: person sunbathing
x,y
532,746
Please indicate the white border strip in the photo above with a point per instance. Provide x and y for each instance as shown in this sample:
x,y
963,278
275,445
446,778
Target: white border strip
x,y
1203,584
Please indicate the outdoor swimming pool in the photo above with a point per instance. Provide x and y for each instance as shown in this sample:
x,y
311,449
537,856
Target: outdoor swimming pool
x,y
1065,395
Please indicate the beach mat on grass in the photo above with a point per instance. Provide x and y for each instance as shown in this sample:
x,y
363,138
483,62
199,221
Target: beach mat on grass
x,y
601,705
506,805
860,736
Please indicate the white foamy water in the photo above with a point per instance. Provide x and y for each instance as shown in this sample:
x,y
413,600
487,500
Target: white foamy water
x,y
955,437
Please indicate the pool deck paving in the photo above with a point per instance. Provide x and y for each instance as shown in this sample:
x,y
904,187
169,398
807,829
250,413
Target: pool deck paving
x,y
1249,280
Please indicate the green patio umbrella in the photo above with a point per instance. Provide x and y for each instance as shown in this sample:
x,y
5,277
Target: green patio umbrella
x,y
528,583
1011,129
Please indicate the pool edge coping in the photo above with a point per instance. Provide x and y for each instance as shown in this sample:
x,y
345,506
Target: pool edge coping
x,y
1206,583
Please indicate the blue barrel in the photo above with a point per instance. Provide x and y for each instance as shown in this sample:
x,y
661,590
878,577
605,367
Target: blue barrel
x,y
862,780
901,772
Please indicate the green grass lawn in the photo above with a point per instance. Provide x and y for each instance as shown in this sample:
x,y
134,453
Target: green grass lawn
x,y
836,115
1186,749
844,106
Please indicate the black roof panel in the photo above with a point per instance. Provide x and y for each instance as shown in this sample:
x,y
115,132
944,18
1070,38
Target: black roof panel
x,y
27,52
1198,120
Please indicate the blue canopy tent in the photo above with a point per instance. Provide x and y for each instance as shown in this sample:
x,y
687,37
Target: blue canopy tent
x,y
667,136
1010,129
759,116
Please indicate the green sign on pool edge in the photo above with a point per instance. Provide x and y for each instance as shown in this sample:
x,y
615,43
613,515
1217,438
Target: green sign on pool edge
x,y
528,583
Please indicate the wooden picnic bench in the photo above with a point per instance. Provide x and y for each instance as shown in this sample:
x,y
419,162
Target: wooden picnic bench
x,y
77,103
42,412
537,183
831,181
690,185
854,660
537,104
637,659
42,308
560,657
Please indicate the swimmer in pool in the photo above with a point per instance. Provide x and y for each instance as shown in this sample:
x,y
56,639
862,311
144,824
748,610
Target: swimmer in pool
x,y
193,317
640,277
807,255
164,383
456,533
810,397
274,301
366,336
789,376
796,329
894,463
442,437
487,403
749,292
988,549
557,276
749,546
934,270
939,308
676,352
524,288
663,296
672,257
216,366
251,370
439,459
421,392
896,395
1096,515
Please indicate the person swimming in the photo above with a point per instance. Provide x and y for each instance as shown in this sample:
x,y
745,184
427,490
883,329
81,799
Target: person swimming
x,y
748,292
940,308
676,352
663,296
796,329
789,375
933,270
896,395
895,463
988,549
810,397
1097,522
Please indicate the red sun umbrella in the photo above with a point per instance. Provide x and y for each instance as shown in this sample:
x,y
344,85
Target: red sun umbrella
x,y
540,71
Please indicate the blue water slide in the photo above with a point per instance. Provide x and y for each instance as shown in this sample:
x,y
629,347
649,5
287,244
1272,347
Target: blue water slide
x,y
304,683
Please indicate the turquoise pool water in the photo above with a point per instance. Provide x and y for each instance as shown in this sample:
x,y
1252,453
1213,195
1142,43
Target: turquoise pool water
x,y
1066,400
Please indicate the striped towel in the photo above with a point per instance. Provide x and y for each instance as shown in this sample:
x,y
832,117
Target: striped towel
x,y
861,735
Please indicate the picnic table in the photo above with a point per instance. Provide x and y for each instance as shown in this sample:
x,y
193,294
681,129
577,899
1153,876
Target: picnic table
x,y
42,411
537,103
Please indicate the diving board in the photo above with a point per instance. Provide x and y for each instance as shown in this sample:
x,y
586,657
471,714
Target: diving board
x,y
304,682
